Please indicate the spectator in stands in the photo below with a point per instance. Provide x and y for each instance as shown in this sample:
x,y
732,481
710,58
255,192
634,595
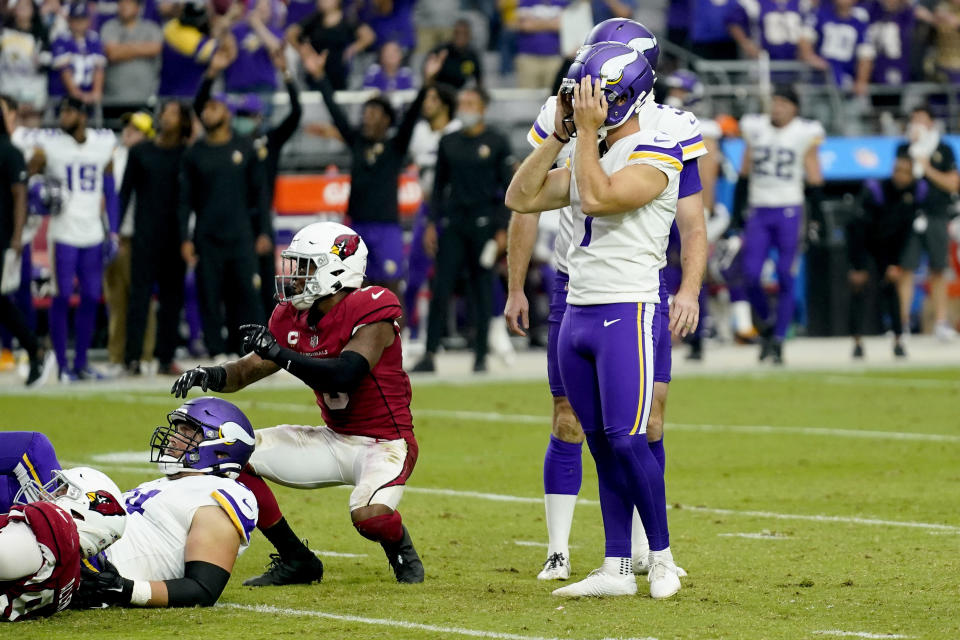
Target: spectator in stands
x,y
708,33
934,161
462,63
375,170
766,25
24,51
132,46
474,167
189,42
390,20
222,181
390,74
947,22
137,127
880,232
327,29
249,122
679,22
434,22
892,25
258,39
78,60
149,198
297,10
538,42
107,10
606,9
834,40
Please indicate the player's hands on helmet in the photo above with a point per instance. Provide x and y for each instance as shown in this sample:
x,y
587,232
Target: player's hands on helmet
x,y
589,105
258,339
517,313
99,589
684,313
564,110
193,378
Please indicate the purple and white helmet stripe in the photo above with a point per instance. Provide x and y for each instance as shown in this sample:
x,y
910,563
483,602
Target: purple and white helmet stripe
x,y
628,32
626,75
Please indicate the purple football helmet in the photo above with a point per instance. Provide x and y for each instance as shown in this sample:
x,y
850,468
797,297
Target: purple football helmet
x,y
688,82
628,32
626,75
205,434
44,196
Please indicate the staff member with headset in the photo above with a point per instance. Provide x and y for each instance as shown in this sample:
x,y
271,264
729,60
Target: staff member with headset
x,y
474,167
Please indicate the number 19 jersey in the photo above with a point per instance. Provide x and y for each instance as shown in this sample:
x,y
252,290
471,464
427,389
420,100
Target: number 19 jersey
x,y
777,153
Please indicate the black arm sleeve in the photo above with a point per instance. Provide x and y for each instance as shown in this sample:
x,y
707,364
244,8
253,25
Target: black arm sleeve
x,y
127,185
326,375
259,192
339,117
203,95
441,176
278,137
201,584
401,141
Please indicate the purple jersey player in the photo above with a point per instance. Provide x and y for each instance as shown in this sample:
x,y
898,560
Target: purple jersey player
x,y
389,75
257,37
775,24
835,41
78,60
891,29
781,150
27,459
623,203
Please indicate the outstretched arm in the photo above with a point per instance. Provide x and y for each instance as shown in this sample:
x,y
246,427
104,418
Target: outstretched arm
x,y
231,376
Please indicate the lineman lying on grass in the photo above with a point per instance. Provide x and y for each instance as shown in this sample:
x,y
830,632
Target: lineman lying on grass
x,y
185,530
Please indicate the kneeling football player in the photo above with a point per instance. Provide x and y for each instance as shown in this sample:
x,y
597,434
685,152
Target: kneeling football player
x,y
343,341
49,529
185,530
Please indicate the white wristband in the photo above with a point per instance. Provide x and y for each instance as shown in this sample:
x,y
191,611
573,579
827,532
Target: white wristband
x,y
142,592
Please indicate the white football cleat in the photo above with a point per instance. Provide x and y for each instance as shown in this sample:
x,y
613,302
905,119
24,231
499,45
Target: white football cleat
x,y
598,584
641,564
557,567
663,577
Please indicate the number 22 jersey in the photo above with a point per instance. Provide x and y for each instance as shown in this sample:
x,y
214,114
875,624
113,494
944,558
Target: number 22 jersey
x,y
776,154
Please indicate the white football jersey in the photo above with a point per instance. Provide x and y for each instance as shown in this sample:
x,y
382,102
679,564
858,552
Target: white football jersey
x,y
423,149
618,258
681,125
159,515
79,168
777,153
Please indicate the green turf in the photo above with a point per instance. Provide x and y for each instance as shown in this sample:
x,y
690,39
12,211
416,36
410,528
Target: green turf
x,y
817,575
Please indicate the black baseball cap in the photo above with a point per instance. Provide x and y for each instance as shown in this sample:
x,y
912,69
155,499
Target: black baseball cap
x,y
787,92
70,102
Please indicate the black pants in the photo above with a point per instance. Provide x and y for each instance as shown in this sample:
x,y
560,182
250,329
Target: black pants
x,y
154,263
884,255
12,318
225,275
267,267
459,251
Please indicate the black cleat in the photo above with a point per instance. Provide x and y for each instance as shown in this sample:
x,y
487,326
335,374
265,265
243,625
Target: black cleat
x,y
41,365
303,570
776,352
696,350
404,560
898,351
480,365
858,351
425,365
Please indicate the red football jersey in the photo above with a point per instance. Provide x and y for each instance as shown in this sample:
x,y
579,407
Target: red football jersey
x,y
49,589
380,406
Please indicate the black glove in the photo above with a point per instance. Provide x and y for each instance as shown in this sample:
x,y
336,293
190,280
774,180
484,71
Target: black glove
x,y
212,378
258,339
100,589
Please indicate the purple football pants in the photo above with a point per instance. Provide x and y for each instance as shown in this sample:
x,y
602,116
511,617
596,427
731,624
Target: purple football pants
x,y
85,264
778,228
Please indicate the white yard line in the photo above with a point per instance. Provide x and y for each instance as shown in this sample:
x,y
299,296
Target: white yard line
x,y
532,543
384,622
755,536
878,381
338,554
859,634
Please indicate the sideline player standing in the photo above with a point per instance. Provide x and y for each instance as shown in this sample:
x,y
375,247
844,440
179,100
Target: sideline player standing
x,y
562,468
80,159
781,149
343,341
624,203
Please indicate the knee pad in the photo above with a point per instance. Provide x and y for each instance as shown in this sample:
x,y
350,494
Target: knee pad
x,y
387,528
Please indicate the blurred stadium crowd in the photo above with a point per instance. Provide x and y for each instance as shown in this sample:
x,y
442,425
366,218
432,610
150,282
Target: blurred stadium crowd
x,y
261,76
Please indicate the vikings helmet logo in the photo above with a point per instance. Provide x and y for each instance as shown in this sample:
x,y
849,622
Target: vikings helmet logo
x,y
612,70
345,246
105,504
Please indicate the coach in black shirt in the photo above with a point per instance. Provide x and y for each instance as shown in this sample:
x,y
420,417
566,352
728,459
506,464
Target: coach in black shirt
x,y
222,182
375,171
462,62
935,162
151,183
13,215
474,167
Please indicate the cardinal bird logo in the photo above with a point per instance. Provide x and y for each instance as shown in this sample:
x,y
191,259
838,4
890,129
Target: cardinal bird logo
x,y
105,504
345,246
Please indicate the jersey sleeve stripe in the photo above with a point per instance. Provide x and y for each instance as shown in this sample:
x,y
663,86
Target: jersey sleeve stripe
x,y
243,524
653,155
699,146
33,472
689,141
535,135
673,152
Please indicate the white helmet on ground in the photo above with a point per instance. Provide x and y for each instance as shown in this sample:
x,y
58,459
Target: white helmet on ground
x,y
95,503
322,259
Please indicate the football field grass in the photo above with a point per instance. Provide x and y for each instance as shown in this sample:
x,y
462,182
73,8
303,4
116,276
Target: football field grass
x,y
804,505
